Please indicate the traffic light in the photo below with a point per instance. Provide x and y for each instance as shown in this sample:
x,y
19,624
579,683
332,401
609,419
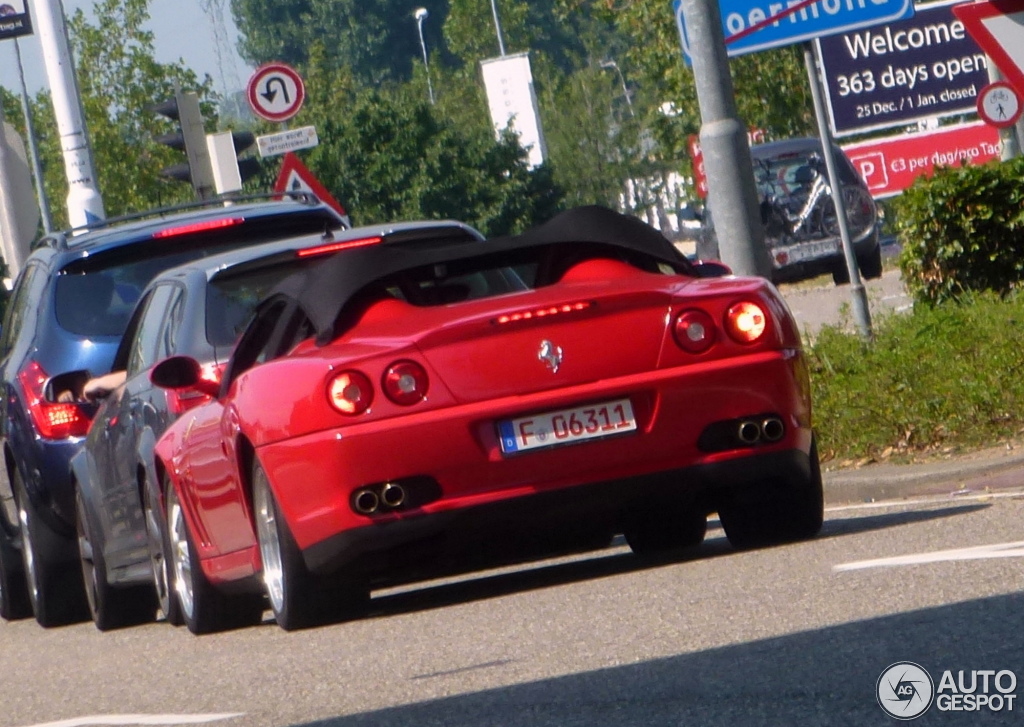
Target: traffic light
x,y
228,170
184,108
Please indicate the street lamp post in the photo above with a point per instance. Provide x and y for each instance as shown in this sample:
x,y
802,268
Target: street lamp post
x,y
622,80
497,28
421,15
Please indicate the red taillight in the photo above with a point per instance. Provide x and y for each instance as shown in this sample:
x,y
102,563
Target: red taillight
x,y
53,420
350,392
544,312
694,331
180,401
745,322
405,383
198,227
335,246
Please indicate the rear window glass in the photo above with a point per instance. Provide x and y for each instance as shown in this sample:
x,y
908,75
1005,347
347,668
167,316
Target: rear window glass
x,y
232,298
790,174
95,295
489,276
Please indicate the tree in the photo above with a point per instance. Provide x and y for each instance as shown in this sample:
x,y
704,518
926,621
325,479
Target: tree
x,y
376,39
118,80
391,155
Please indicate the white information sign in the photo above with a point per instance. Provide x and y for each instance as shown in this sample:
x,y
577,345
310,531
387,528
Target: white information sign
x,y
512,101
286,141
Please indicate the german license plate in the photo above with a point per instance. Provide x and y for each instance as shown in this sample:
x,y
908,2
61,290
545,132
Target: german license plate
x,y
565,426
812,250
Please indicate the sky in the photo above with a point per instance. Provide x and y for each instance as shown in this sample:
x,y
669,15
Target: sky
x,y
182,30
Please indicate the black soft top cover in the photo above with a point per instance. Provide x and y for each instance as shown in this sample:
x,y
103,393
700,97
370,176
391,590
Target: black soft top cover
x,y
323,291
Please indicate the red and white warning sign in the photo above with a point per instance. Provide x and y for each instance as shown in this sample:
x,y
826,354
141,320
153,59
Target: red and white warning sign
x,y
296,177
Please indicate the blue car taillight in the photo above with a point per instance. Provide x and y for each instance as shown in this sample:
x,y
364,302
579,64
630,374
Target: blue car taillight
x,y
52,419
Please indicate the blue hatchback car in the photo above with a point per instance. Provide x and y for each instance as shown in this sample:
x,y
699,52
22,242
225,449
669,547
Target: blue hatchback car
x,y
68,310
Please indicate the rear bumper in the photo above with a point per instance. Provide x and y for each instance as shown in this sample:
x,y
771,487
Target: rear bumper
x,y
457,449
600,507
862,248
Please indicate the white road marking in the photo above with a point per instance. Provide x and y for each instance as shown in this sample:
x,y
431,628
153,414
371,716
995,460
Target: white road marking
x,y
997,550
140,719
956,496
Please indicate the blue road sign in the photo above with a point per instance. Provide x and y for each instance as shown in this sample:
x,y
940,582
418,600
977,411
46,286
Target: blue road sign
x,y
755,25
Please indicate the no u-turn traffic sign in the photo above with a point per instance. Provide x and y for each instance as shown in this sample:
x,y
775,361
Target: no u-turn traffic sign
x,y
276,92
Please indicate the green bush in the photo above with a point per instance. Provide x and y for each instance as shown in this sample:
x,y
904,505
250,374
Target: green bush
x,y
941,377
962,229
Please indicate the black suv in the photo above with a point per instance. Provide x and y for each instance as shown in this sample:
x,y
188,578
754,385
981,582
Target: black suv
x,y
68,310
801,228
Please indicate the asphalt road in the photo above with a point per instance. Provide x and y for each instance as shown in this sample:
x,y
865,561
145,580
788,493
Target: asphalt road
x,y
793,635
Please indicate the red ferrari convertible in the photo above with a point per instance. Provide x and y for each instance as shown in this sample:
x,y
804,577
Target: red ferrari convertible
x,y
414,403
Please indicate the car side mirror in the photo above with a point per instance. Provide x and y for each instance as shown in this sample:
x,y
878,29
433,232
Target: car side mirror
x,y
69,382
710,269
183,372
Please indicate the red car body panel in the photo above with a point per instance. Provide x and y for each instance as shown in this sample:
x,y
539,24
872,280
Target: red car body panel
x,y
481,370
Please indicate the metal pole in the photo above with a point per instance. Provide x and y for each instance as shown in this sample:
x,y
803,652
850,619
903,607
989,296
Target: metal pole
x,y
732,192
497,28
37,168
858,294
84,202
421,15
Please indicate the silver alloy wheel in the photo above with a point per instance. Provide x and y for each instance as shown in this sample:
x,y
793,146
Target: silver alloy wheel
x,y
31,577
180,554
270,540
159,564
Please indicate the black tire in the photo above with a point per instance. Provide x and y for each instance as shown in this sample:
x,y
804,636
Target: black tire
x,y
871,264
840,273
52,573
298,598
160,557
204,609
786,519
110,607
14,603
664,531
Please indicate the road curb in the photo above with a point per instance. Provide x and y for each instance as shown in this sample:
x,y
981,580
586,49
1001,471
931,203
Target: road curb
x,y
993,469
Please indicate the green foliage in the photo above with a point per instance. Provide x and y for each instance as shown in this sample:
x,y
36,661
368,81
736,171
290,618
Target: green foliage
x,y
392,156
377,42
940,377
376,39
118,80
962,229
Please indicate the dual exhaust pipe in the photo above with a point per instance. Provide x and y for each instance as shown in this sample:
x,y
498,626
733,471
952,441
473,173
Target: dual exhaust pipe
x,y
752,431
368,500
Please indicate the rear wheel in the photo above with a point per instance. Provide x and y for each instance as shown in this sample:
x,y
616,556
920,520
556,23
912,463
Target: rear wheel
x,y
840,273
14,603
663,531
110,607
203,608
53,576
298,598
871,264
160,557
797,515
